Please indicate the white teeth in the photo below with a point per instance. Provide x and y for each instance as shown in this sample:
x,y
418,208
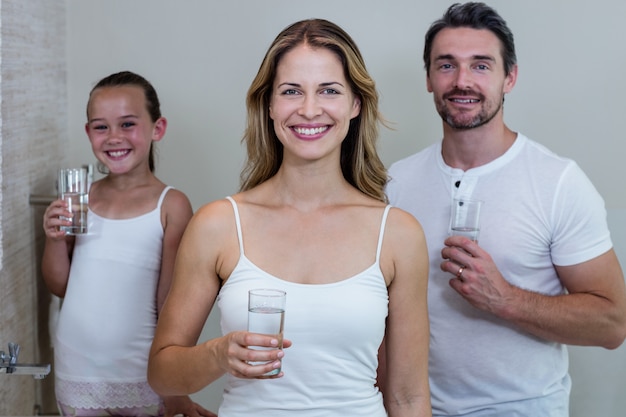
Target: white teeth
x,y
117,154
466,101
310,131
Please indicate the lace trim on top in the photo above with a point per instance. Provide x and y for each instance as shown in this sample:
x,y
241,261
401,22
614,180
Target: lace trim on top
x,y
105,394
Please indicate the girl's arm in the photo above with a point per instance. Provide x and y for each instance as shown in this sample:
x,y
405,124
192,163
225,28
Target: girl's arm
x,y
405,365
176,213
57,253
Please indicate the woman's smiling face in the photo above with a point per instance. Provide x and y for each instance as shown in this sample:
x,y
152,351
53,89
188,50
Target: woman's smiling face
x,y
311,103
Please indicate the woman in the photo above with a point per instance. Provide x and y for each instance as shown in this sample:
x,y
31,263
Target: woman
x,y
312,220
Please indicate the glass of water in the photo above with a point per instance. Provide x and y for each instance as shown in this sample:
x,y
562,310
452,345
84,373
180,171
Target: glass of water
x,y
465,218
266,315
73,187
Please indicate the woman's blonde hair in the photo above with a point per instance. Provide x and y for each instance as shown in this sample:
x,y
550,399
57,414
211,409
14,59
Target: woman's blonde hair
x,y
360,163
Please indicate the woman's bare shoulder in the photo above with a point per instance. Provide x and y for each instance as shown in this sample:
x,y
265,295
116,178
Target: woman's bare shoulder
x,y
404,225
214,212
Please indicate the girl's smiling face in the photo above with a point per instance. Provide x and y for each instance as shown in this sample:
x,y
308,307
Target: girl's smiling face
x,y
120,129
311,103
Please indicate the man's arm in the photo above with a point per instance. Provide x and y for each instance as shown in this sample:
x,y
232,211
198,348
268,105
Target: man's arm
x,y
592,313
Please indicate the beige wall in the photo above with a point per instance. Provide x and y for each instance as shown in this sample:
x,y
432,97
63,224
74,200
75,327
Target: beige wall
x,y
33,134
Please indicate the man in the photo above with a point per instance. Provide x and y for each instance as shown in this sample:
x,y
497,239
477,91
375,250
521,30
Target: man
x,y
543,273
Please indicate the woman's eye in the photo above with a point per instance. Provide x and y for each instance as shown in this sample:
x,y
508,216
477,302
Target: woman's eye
x,y
330,91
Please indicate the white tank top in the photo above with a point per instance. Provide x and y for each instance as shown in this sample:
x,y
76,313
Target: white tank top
x,y
336,330
109,313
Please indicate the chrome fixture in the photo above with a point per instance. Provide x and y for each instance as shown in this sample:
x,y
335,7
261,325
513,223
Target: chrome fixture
x,y
9,365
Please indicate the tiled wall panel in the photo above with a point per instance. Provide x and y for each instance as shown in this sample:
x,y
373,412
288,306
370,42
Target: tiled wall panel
x,y
33,134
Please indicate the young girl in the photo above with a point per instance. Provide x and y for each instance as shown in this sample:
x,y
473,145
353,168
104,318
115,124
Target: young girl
x,y
114,279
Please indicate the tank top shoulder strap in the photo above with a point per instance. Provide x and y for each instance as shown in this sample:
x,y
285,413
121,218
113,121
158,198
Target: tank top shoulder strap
x,y
162,196
237,222
382,232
